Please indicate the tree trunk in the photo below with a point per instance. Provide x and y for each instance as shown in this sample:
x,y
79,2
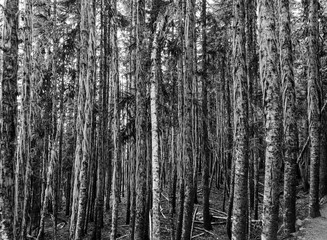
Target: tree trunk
x,y
26,126
323,158
83,122
8,117
314,105
140,124
270,79
116,126
102,144
290,128
239,225
205,117
155,64
188,146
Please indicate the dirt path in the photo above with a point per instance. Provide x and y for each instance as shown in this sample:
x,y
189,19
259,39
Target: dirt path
x,y
315,229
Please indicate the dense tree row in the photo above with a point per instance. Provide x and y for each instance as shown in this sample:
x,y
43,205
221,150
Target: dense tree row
x,y
136,119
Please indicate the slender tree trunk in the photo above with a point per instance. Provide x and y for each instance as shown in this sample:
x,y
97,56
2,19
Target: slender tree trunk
x,y
107,60
205,117
133,163
155,64
314,105
239,225
54,144
172,186
83,123
27,119
140,125
102,145
8,117
189,78
270,79
323,158
180,136
116,126
290,128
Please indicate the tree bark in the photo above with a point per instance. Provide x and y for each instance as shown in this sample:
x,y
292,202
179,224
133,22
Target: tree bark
x,y
270,79
8,117
189,78
116,125
83,122
290,128
26,126
102,144
140,124
155,64
205,117
239,225
314,105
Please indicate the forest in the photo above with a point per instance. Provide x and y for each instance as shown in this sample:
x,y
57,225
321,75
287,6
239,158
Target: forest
x,y
162,119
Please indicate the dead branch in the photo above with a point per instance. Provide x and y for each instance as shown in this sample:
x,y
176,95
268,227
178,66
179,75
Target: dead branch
x,y
218,211
194,215
165,197
198,235
162,213
204,230
121,237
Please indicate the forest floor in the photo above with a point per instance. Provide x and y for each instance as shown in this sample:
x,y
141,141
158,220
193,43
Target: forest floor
x,y
307,229
314,228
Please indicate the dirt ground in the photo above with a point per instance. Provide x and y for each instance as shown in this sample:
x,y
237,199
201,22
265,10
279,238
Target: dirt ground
x,y
314,228
307,229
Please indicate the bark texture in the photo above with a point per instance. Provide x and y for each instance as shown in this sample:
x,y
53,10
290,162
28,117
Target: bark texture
x,y
240,96
140,124
289,123
83,122
205,140
189,78
270,80
314,101
116,126
8,117
155,64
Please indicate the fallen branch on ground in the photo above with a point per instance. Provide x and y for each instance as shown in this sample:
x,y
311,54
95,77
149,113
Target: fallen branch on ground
x,y
218,223
222,218
212,223
217,211
198,235
121,237
204,230
165,197
194,215
162,213
125,225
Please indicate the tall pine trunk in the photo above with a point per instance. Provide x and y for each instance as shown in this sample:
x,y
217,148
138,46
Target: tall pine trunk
x,y
116,125
290,128
189,78
270,80
240,97
205,117
26,124
314,105
140,124
83,122
155,65
8,117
